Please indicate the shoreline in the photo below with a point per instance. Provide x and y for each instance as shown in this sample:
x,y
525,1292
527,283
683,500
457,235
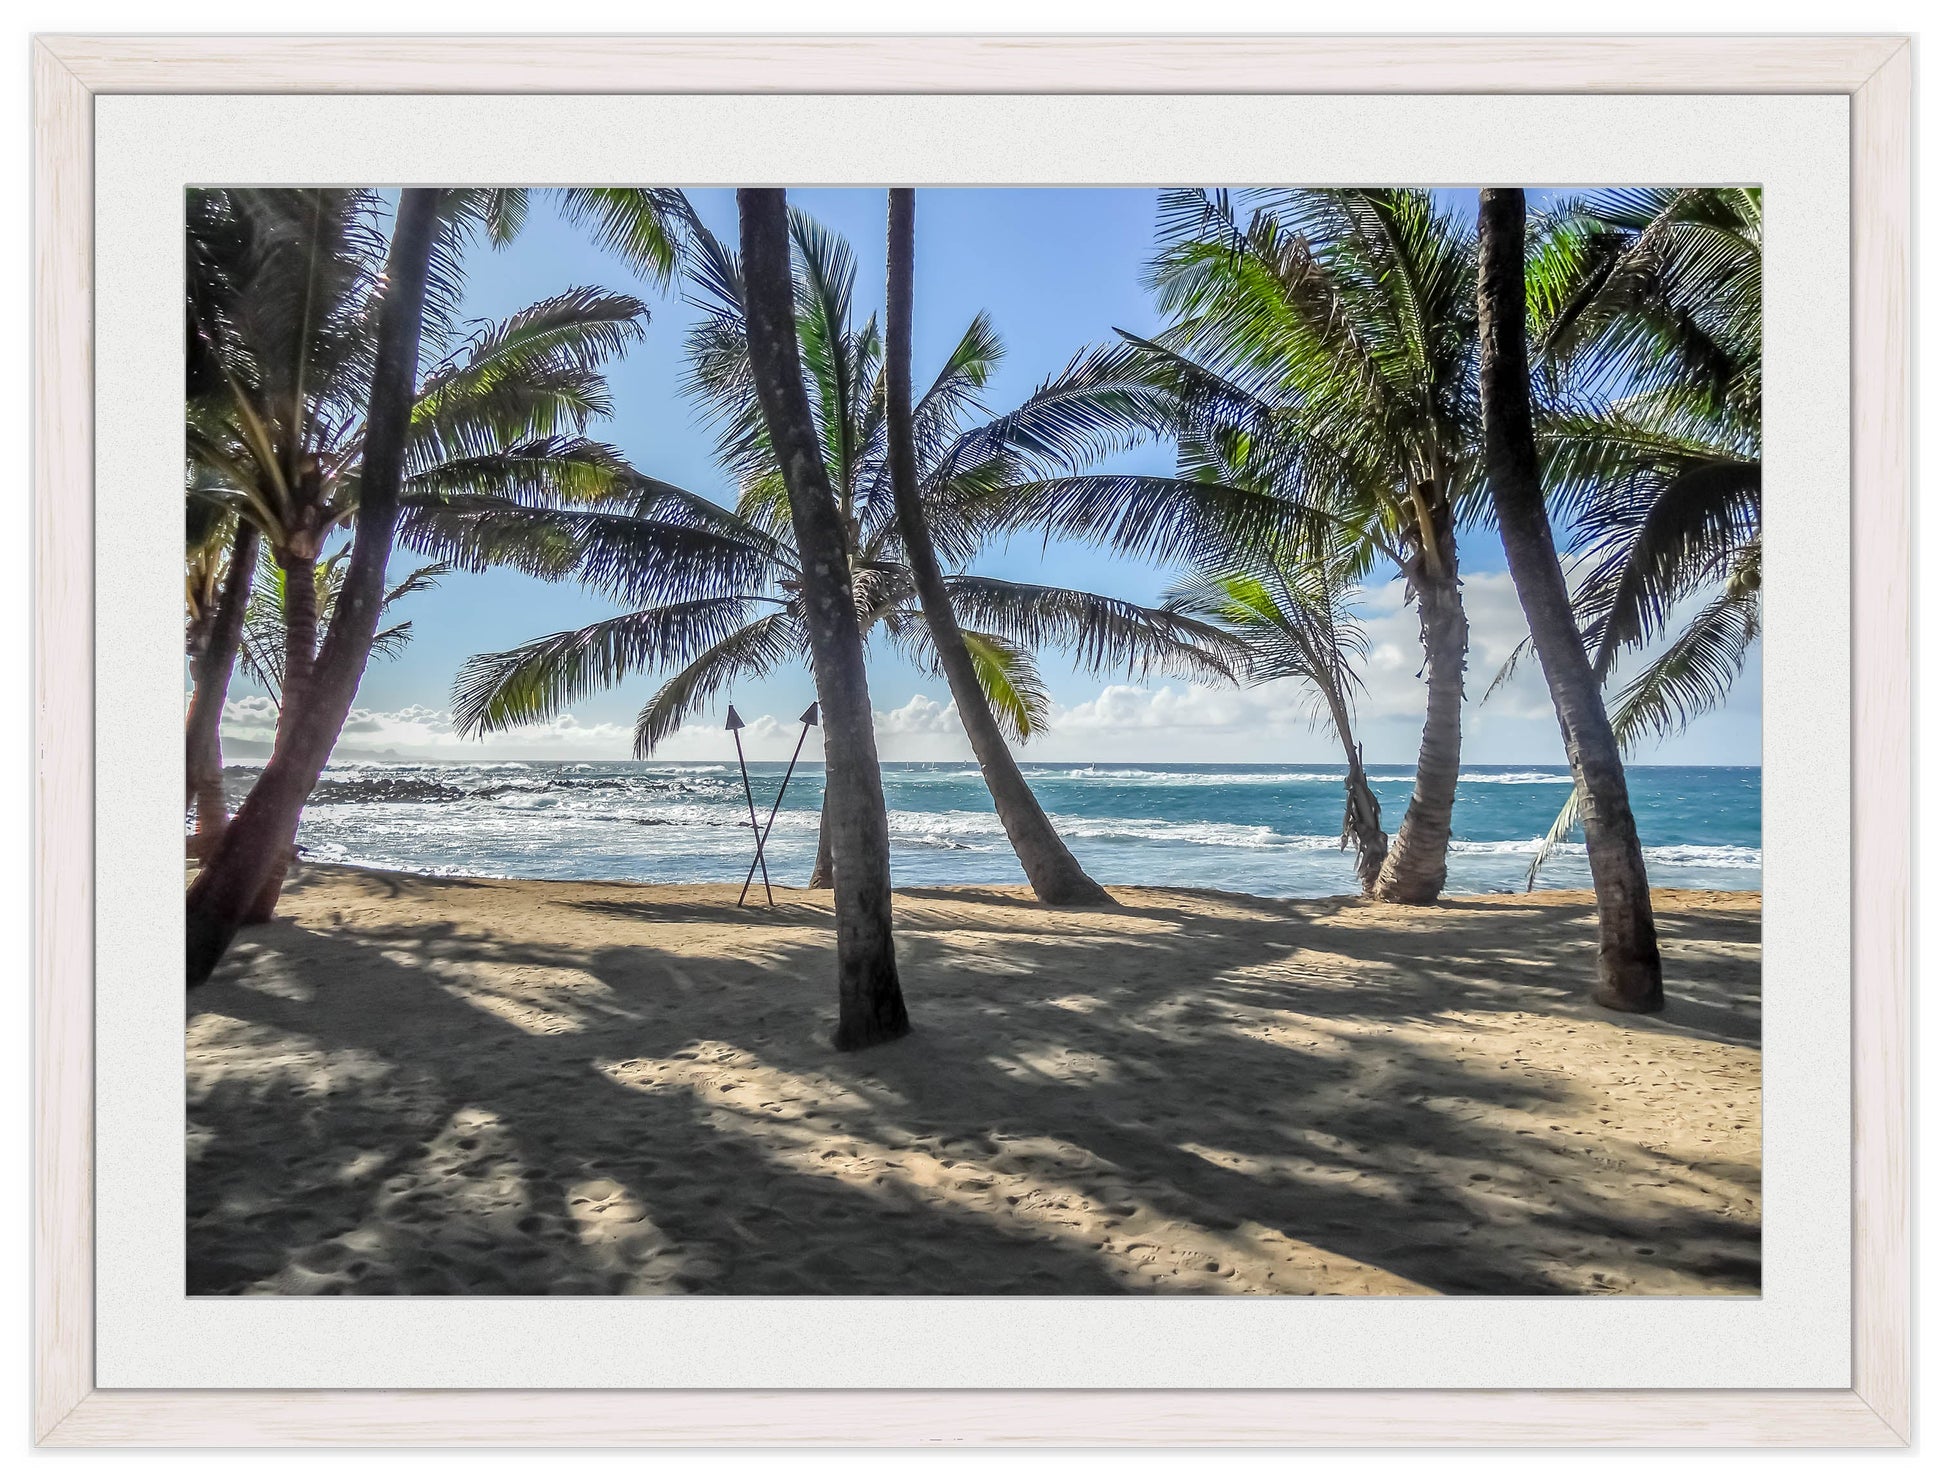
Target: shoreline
x,y
464,1084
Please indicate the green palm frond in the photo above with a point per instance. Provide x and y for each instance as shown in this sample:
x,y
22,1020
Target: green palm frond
x,y
1010,682
1162,519
627,557
1291,616
1639,288
1101,633
538,472
1565,823
263,647
1693,675
645,227
755,649
1648,552
538,680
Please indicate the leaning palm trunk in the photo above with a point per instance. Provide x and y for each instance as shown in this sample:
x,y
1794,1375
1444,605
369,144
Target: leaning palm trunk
x,y
259,838
1052,870
1363,826
1415,867
871,1007
300,660
1629,963
203,728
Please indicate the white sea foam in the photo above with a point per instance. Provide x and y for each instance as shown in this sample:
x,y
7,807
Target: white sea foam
x,y
1182,779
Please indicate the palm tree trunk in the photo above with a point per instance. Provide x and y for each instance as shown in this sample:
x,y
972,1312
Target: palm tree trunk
x,y
203,728
1364,825
259,837
300,660
300,633
1628,969
871,1007
821,867
1052,870
1415,866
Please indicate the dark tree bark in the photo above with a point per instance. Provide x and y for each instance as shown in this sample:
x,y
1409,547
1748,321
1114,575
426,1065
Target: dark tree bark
x,y
1415,867
871,1007
300,635
1629,963
1364,826
213,665
259,838
1052,870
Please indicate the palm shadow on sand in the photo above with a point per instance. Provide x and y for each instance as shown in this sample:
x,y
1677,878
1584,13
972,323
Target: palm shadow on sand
x,y
381,1105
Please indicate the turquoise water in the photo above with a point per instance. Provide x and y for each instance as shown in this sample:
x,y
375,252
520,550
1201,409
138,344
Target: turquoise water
x,y
1271,831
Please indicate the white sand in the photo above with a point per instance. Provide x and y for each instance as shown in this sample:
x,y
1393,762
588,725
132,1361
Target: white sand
x,y
424,1086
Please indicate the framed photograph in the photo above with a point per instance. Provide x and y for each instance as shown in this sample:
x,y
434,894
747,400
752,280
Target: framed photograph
x,y
900,740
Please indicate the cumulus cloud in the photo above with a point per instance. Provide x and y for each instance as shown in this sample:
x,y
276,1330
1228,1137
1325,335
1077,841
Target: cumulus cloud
x,y
418,732
1122,721
919,716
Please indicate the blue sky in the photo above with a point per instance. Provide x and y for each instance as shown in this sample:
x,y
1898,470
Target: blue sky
x,y
1058,270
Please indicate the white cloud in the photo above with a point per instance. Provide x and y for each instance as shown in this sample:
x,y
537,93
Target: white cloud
x,y
1394,686
422,733
1121,722
919,716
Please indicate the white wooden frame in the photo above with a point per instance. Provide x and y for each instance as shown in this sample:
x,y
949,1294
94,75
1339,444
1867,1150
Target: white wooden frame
x,y
1874,71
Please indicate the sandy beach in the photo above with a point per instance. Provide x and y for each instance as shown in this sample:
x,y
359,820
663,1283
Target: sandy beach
x,y
410,1085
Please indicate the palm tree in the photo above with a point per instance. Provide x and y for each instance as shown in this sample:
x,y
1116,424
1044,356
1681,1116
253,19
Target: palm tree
x,y
1646,312
285,291
1055,875
722,591
1628,961
233,880
1649,311
1292,612
871,1008
221,566
1328,341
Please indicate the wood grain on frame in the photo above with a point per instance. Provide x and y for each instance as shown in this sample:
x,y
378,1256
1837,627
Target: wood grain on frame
x,y
1881,739
64,657
974,64
68,1411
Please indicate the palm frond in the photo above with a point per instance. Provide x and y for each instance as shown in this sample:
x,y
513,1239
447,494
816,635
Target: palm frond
x,y
645,227
755,649
1010,683
540,679
1101,633
1693,675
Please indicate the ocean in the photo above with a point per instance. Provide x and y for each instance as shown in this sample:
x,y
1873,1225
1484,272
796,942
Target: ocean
x,y
1267,830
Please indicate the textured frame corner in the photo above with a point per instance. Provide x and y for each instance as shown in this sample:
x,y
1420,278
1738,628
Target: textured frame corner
x,y
1875,71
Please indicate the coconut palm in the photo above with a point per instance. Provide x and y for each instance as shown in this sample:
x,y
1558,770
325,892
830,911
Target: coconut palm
x,y
250,855
1327,338
1649,311
291,298
871,1007
1628,961
1292,612
282,292
1055,875
1646,312
284,296
721,593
